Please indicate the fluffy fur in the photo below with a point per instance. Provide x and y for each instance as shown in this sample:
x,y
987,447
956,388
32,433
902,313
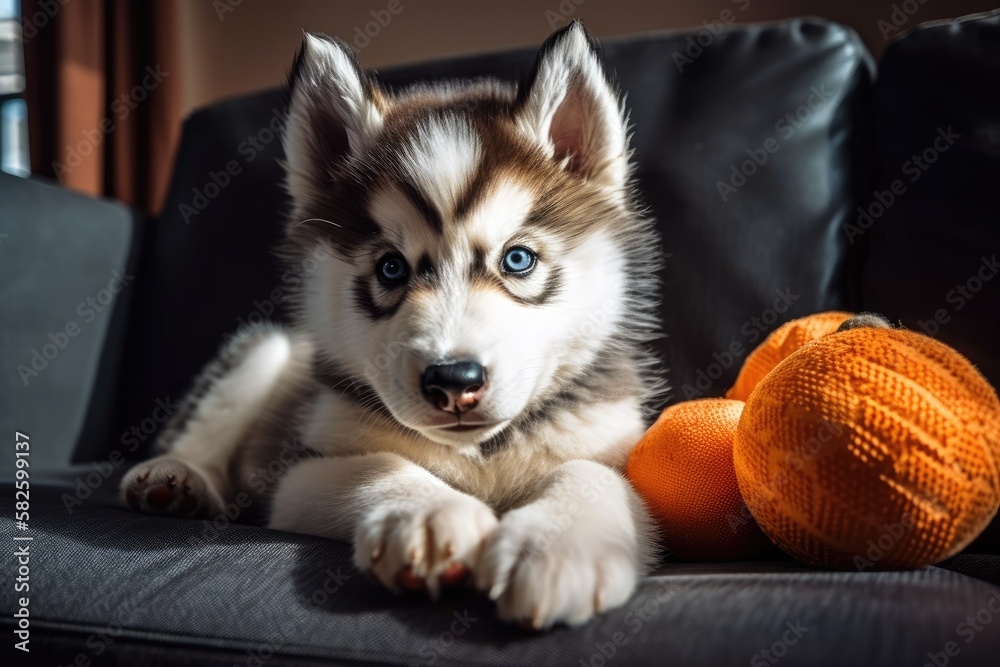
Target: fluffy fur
x,y
524,489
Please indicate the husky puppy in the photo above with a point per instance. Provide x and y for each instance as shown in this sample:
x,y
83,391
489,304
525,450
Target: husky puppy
x,y
471,365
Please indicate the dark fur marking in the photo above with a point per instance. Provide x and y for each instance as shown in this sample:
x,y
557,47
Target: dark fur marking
x,y
497,443
477,267
425,269
552,286
479,273
474,191
344,202
332,376
365,302
427,210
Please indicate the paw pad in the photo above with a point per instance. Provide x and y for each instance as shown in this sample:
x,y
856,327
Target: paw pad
x,y
159,497
168,486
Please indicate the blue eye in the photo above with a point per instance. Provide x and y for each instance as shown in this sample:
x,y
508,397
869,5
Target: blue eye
x,y
392,270
518,260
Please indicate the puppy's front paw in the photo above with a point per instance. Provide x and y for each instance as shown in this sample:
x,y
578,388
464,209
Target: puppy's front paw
x,y
427,545
543,571
166,485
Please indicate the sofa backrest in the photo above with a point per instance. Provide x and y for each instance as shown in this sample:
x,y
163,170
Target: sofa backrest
x,y
931,230
753,146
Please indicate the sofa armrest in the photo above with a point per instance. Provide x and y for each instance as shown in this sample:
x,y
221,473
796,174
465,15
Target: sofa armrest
x,y
66,280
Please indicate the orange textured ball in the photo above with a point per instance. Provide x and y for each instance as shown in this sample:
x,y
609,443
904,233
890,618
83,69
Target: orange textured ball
x,y
871,448
683,470
782,342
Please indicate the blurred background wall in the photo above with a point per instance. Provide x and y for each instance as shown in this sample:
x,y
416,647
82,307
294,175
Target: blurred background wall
x,y
236,46
105,84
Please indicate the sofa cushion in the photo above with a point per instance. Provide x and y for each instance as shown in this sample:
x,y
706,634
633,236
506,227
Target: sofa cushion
x,y
787,103
126,588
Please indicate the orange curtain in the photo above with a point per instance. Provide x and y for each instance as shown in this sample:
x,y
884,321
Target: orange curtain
x,y
104,95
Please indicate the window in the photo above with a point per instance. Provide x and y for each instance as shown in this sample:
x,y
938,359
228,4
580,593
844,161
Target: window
x,y
13,111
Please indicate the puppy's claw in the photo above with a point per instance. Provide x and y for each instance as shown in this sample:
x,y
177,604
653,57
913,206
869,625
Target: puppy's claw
x,y
530,625
497,591
415,556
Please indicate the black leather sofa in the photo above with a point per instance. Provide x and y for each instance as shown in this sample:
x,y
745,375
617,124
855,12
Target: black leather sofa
x,y
769,155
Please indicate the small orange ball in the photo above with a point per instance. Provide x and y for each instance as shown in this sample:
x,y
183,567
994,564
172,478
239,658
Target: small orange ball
x,y
871,448
782,342
683,470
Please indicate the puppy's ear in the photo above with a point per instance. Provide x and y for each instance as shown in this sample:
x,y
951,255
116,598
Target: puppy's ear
x,y
569,106
333,112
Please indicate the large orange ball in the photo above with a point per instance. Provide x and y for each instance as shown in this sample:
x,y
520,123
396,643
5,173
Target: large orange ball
x,y
782,342
683,470
871,448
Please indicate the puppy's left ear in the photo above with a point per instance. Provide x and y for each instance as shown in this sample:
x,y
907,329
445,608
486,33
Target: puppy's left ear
x,y
570,107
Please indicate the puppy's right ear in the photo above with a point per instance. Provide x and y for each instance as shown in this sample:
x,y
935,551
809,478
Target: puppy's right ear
x,y
333,112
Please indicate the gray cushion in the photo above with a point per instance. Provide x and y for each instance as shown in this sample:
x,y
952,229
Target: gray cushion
x,y
229,589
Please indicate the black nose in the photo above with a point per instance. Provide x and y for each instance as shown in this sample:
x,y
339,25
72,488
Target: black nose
x,y
455,387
